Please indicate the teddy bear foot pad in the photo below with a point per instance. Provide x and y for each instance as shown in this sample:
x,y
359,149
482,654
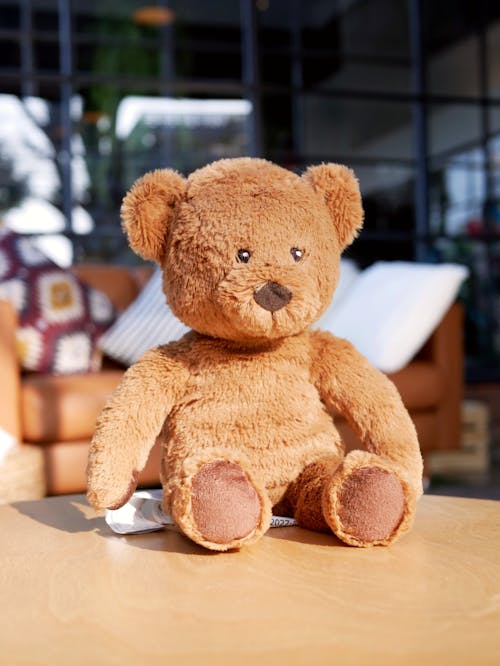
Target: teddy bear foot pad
x,y
225,504
369,507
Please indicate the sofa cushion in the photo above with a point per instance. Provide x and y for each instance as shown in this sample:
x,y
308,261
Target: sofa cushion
x,y
60,318
420,384
66,467
64,408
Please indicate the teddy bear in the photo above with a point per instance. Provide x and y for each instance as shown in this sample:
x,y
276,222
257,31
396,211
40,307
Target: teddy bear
x,y
242,405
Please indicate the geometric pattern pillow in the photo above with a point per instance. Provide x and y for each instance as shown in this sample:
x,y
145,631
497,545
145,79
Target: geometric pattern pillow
x,y
60,318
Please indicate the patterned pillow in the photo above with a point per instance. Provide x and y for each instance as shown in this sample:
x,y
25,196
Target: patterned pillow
x,y
60,318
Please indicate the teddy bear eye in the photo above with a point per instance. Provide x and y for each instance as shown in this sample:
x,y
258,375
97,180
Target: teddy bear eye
x,y
244,256
296,253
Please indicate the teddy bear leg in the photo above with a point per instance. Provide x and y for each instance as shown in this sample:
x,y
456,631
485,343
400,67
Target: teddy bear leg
x,y
303,499
367,501
220,506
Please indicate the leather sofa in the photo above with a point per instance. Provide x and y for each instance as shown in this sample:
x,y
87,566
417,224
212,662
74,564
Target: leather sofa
x,y
58,413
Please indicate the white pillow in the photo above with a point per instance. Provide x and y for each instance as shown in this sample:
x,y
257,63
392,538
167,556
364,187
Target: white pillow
x,y
146,323
7,443
349,272
393,307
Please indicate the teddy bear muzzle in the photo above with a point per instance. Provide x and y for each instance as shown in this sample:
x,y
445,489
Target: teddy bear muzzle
x,y
272,296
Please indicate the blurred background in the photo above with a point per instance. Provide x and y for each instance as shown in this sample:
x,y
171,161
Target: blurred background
x,y
95,93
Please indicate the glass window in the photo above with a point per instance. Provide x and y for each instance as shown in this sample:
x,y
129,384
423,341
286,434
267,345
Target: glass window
x,y
10,42
494,119
10,52
46,35
354,129
113,41
452,46
388,191
27,151
493,50
458,194
454,69
453,127
277,128
357,46
494,175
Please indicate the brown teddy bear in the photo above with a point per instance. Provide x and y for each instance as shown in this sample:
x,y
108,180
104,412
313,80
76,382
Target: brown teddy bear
x,y
242,404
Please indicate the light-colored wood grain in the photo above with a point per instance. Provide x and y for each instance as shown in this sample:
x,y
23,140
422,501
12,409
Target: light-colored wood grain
x,y
74,593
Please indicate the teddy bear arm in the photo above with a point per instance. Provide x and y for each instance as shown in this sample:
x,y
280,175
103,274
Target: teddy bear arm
x,y
129,424
370,402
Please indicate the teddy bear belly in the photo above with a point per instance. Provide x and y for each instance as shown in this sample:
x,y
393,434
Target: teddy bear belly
x,y
275,446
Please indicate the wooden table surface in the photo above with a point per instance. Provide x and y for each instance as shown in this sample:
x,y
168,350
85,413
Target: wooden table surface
x,y
74,593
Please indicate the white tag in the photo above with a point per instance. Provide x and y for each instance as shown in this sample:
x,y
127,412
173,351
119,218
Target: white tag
x,y
143,513
7,443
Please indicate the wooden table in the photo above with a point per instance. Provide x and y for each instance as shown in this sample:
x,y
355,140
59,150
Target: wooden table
x,y
74,593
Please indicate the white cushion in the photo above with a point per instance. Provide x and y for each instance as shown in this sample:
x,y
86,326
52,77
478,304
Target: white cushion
x,y
393,307
348,273
146,323
7,443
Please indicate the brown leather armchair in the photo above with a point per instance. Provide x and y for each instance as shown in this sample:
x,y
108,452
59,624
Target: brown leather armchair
x,y
59,413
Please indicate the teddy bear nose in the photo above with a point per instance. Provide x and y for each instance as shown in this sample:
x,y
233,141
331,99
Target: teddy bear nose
x,y
272,296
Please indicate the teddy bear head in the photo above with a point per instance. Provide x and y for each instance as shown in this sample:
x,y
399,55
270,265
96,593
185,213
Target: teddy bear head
x,y
249,251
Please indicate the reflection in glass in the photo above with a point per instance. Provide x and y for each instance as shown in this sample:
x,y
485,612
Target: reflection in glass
x,y
457,194
453,127
356,129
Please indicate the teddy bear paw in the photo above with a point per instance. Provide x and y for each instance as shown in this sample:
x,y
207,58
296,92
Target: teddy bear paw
x,y
367,508
225,504
226,510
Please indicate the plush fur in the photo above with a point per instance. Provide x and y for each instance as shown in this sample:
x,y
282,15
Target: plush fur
x,y
242,404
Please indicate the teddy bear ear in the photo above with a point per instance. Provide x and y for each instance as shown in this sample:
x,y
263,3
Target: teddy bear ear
x,y
147,210
339,189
